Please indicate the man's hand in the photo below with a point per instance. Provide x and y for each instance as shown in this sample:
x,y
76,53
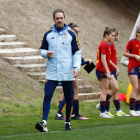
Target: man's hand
x,y
75,73
90,61
50,54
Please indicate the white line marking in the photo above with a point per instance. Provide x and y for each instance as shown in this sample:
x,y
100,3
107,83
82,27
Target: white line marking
x,y
64,131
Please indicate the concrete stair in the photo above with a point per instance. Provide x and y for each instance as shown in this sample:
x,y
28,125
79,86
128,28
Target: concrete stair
x,y
31,67
37,59
9,45
38,75
2,31
7,38
83,96
16,52
29,61
82,89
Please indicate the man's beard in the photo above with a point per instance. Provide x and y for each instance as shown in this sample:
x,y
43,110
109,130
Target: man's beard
x,y
60,26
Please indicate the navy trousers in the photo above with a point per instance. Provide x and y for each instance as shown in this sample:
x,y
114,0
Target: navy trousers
x,y
49,90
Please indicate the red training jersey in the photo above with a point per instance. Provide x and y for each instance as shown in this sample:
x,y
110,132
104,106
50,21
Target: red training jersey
x,y
133,47
103,48
113,56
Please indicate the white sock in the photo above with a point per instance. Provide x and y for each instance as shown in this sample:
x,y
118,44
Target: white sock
x,y
67,122
44,121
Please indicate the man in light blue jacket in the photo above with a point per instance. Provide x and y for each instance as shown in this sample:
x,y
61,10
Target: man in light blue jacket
x,y
62,48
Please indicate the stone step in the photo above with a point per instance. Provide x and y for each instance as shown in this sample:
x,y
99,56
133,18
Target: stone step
x,y
89,96
31,67
7,38
79,81
9,45
42,81
82,89
26,60
2,31
85,89
37,75
15,52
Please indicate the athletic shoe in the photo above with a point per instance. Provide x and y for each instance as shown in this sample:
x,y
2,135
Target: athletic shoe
x,y
57,117
104,115
67,127
133,113
41,126
98,106
138,112
82,118
122,114
79,117
109,114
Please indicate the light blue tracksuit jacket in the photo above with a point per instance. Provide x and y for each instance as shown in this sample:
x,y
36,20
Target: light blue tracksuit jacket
x,y
67,53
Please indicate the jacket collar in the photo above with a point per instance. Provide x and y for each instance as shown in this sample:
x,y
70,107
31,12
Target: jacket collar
x,y
59,30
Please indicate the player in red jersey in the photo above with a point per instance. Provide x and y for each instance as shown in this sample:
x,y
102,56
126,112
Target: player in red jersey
x,y
103,72
132,51
115,71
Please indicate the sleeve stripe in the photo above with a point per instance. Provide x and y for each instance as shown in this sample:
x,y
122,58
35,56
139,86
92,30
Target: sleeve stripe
x,y
43,42
77,39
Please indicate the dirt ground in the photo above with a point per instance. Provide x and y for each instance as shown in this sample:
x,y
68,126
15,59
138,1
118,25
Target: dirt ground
x,y
30,19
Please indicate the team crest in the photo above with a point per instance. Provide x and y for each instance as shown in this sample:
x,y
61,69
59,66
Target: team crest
x,y
64,37
132,70
137,45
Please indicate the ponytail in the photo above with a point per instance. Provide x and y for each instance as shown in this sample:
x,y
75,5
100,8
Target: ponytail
x,y
107,31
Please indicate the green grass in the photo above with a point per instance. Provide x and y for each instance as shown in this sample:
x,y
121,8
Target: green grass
x,y
21,109
21,127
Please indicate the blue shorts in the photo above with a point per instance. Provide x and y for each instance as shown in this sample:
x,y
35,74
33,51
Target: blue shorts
x,y
114,74
135,71
101,75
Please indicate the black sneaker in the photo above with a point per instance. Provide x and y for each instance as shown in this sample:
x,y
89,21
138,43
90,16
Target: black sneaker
x,y
67,127
81,118
59,118
41,126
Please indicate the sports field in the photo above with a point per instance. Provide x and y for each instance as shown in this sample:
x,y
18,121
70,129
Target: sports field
x,y
21,127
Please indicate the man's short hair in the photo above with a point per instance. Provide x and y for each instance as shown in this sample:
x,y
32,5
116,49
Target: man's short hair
x,y
58,11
